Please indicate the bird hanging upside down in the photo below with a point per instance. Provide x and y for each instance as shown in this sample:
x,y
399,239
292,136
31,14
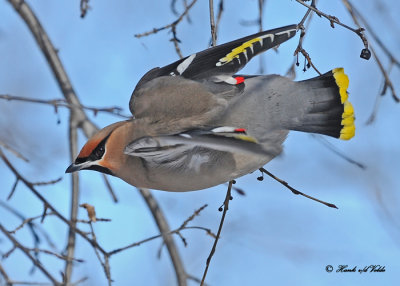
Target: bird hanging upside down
x,y
197,124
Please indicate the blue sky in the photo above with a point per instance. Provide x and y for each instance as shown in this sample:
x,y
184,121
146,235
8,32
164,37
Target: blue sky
x,y
270,236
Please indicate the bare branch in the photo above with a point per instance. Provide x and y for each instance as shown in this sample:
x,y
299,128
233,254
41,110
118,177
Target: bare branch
x,y
261,4
73,145
173,24
13,151
55,63
173,8
219,16
84,6
49,206
334,20
331,147
110,188
294,191
26,221
33,228
105,264
388,82
212,22
378,98
355,14
164,230
176,42
228,197
26,252
175,231
62,257
56,103
172,27
5,276
80,119
291,72
189,219
51,182
13,189
307,57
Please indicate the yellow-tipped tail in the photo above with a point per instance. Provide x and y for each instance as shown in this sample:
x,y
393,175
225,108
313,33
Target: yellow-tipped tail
x,y
348,130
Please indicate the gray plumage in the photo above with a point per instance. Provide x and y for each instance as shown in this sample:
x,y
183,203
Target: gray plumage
x,y
197,125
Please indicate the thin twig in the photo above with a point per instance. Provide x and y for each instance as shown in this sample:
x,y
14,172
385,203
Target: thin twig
x,y
331,147
301,50
173,8
14,187
291,72
176,22
355,14
212,22
62,257
35,262
79,281
110,188
185,5
307,59
8,253
84,6
333,20
33,228
106,263
228,197
176,42
5,276
51,55
13,151
10,282
45,202
56,103
388,82
306,15
294,191
378,98
73,145
46,183
26,221
261,4
90,221
175,231
219,16
172,26
164,230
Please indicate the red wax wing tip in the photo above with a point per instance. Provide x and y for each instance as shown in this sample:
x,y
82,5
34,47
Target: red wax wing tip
x,y
240,130
239,79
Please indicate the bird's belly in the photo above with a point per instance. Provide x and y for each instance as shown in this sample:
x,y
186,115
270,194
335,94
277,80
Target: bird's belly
x,y
200,171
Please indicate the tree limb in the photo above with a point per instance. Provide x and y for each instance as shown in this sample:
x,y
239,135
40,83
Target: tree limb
x,y
78,114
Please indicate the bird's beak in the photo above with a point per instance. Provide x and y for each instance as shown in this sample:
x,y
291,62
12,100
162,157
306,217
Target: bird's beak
x,y
73,168
76,167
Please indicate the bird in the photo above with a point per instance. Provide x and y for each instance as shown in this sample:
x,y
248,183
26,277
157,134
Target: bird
x,y
197,123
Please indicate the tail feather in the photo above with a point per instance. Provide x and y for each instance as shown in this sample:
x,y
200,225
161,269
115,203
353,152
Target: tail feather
x,y
327,109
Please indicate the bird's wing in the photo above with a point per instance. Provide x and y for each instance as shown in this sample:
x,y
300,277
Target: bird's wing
x,y
225,59
192,78
170,148
166,99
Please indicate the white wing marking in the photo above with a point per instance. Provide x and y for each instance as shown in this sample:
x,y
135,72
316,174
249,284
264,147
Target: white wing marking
x,y
184,65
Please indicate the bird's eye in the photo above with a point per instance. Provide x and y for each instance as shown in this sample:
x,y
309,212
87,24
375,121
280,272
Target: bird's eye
x,y
98,153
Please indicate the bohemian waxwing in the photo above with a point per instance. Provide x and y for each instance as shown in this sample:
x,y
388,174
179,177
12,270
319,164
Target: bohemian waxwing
x,y
197,124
